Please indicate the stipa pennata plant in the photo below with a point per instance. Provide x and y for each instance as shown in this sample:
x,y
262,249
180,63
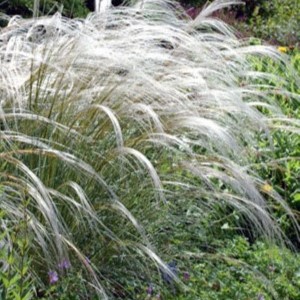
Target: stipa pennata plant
x,y
115,124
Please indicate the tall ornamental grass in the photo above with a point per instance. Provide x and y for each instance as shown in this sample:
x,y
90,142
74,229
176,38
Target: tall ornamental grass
x,y
112,123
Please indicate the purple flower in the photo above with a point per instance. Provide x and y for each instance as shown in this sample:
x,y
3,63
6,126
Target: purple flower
x,y
150,290
193,12
260,297
168,277
53,277
64,264
186,276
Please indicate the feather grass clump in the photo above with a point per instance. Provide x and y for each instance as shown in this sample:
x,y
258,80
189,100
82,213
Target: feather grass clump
x,y
109,122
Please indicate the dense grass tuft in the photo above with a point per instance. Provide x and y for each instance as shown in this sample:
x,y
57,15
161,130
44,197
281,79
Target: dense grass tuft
x,y
113,124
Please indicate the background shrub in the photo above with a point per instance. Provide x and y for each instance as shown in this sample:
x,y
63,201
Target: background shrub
x,y
69,8
277,21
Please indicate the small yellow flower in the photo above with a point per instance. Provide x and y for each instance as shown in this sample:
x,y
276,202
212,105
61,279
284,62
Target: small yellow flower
x,y
266,188
283,49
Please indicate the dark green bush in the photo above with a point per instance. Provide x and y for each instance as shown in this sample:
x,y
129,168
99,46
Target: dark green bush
x,y
69,8
278,21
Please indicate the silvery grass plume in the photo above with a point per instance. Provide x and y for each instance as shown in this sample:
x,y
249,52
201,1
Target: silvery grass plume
x,y
107,122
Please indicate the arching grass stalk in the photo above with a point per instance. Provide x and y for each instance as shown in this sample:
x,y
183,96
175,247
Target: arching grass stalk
x,y
110,122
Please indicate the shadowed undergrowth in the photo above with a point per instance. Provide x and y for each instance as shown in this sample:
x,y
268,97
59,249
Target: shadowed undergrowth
x,y
115,126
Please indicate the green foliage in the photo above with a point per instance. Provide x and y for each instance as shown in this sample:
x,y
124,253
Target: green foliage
x,y
277,21
238,270
25,8
282,170
15,276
